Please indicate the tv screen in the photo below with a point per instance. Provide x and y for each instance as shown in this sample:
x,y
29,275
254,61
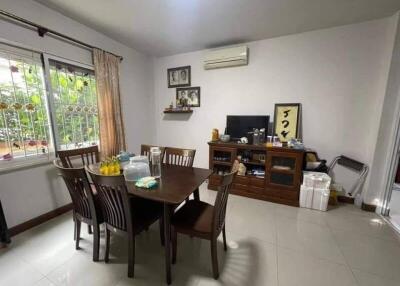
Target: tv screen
x,y
237,126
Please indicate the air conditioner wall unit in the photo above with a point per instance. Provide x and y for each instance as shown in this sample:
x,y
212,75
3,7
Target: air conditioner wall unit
x,y
226,57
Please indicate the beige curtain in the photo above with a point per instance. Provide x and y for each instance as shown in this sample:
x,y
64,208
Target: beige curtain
x,y
112,133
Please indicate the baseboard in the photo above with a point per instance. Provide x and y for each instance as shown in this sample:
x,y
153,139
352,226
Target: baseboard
x,y
368,208
39,220
345,199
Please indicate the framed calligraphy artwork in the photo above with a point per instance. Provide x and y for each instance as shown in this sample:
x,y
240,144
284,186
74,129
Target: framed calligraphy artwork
x,y
286,121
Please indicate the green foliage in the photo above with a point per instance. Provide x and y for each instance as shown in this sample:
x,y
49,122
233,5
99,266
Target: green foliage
x,y
74,99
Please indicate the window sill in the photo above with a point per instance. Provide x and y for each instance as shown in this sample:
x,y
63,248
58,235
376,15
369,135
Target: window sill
x,y
20,164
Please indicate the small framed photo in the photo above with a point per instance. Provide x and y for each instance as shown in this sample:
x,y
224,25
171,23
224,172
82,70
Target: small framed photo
x,y
286,121
188,96
178,77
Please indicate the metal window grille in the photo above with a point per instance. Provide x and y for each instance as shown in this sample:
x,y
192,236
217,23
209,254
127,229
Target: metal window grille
x,y
75,102
24,120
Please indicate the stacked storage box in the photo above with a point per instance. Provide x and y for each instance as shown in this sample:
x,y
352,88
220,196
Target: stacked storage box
x,y
314,192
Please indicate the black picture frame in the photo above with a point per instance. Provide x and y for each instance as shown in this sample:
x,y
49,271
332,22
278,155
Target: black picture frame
x,y
188,90
276,119
177,74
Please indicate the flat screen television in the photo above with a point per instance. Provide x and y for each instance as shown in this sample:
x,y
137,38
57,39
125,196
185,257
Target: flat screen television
x,y
237,126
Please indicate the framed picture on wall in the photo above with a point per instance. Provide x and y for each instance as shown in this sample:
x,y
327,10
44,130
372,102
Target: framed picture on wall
x,y
286,121
188,96
178,77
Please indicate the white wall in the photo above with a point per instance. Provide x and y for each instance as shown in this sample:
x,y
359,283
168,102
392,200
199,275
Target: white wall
x,y
338,75
30,192
388,123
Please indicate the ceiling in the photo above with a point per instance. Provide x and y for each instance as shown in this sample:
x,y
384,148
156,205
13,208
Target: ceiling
x,y
166,27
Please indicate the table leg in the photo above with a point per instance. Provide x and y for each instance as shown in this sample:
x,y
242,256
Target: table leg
x,y
196,195
167,238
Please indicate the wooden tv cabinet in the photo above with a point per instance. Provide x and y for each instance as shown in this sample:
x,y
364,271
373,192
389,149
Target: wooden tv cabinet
x,y
283,171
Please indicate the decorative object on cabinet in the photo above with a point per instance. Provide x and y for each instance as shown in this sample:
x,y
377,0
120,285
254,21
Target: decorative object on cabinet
x,y
273,173
242,170
188,96
286,121
178,77
214,134
225,138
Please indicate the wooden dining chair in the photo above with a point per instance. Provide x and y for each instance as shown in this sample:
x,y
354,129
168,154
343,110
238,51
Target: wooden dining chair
x,y
200,219
179,157
145,151
85,207
87,156
123,215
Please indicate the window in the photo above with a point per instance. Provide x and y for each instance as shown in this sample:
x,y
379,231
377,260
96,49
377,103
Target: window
x,y
32,124
24,124
74,96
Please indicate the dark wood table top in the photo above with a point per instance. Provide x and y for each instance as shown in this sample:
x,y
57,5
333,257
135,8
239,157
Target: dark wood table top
x,y
175,185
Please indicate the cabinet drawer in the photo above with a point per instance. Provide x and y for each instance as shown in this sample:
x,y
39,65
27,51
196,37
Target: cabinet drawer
x,y
257,190
291,195
240,187
257,182
243,180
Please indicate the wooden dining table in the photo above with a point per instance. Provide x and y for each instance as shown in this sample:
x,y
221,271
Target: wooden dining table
x,y
175,185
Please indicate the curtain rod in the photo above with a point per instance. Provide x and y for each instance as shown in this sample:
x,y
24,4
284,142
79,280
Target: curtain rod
x,y
42,31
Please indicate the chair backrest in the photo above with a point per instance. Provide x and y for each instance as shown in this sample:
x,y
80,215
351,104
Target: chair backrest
x,y
113,200
79,189
179,157
88,155
145,151
221,202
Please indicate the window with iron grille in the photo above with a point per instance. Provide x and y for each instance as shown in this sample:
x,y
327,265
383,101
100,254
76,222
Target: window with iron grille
x,y
24,120
75,103
35,122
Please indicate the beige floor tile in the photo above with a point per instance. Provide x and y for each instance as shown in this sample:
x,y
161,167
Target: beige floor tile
x,y
310,238
295,268
44,282
368,279
370,254
371,225
301,214
248,261
15,271
81,270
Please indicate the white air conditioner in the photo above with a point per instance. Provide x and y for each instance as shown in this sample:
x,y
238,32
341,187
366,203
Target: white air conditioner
x,y
226,57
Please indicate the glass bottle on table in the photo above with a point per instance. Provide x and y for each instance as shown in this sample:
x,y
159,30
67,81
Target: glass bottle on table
x,y
155,157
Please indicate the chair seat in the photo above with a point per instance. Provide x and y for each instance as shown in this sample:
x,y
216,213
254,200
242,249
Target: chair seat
x,y
194,216
145,213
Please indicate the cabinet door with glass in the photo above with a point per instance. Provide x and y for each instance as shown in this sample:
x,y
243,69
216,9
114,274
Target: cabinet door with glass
x,y
283,169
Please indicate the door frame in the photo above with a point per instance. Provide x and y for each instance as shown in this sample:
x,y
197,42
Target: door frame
x,y
393,165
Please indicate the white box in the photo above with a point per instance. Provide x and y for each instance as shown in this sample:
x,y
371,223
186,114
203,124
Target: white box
x,y
320,199
316,180
306,196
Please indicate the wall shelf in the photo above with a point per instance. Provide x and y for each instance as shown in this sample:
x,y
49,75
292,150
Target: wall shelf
x,y
178,111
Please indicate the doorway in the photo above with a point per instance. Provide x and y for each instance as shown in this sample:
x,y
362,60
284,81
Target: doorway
x,y
394,204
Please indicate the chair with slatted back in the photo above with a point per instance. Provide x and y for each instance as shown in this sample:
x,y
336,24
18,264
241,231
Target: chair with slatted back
x,y
79,157
200,219
84,203
145,151
123,214
179,157
87,156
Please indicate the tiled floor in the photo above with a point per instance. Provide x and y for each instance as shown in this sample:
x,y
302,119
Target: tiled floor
x,y
269,244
